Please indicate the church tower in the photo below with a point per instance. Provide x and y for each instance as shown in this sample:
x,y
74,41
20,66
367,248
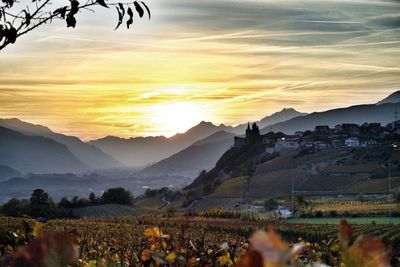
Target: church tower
x,y
248,132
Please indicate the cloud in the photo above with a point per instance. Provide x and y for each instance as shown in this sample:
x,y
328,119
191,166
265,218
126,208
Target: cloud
x,y
238,60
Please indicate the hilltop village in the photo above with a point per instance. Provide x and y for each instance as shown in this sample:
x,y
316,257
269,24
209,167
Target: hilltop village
x,y
323,137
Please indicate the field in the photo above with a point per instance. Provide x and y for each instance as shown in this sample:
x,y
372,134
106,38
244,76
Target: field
x,y
197,239
109,210
336,221
354,206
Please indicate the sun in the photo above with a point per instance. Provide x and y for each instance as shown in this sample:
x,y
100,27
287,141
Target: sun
x,y
176,117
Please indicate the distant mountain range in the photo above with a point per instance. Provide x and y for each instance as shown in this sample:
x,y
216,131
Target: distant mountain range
x,y
36,154
143,151
90,155
393,98
7,172
26,147
202,155
383,113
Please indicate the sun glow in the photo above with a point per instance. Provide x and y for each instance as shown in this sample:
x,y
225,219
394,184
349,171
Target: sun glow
x,y
176,117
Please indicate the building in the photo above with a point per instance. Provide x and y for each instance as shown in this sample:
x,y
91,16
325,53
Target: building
x,y
253,136
284,212
316,145
370,142
286,145
299,134
352,142
270,150
350,128
322,129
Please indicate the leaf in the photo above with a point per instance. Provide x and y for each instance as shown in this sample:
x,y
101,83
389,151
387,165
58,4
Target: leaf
x,y
147,8
50,250
74,7
273,249
367,252
71,21
121,7
9,3
130,21
27,18
120,18
62,11
102,3
11,35
345,234
1,33
139,9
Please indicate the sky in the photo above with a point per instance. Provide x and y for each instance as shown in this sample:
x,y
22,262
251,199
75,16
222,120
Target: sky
x,y
224,61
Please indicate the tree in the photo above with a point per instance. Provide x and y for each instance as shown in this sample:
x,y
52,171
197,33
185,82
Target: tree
x,y
64,203
17,19
270,204
41,204
117,196
92,198
15,207
39,197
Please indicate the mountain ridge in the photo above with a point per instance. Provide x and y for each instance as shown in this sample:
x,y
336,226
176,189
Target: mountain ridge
x,y
133,151
392,98
36,154
91,155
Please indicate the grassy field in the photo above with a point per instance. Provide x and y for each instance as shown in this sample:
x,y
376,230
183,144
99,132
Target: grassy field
x,y
360,220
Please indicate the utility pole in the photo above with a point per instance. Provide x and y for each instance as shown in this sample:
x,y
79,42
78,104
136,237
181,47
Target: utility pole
x,y
390,198
292,196
241,200
396,115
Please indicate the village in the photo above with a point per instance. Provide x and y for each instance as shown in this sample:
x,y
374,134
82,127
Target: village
x,y
324,137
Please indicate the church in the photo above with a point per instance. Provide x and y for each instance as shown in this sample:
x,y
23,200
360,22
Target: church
x,y
252,136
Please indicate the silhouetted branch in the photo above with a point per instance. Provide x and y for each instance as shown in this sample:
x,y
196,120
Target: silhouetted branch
x,y
9,32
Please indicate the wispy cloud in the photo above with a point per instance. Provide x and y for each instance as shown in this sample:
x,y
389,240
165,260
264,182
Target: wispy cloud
x,y
238,61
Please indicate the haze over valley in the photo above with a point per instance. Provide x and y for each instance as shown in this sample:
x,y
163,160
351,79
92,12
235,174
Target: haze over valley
x,y
34,156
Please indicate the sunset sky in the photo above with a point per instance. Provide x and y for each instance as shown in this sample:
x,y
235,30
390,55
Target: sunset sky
x,y
224,61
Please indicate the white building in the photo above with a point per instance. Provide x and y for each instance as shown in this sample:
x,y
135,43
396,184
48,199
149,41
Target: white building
x,y
284,212
286,145
352,142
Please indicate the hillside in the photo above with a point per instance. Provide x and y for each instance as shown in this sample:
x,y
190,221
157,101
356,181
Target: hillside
x,y
314,164
36,154
354,114
7,172
393,98
316,174
88,154
202,155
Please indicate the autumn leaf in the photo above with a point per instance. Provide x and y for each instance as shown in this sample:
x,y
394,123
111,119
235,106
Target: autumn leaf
x,y
367,252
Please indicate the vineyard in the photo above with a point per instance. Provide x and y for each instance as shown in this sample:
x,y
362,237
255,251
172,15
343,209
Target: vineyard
x,y
184,240
369,208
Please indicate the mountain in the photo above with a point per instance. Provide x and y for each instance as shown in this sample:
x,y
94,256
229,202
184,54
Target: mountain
x,y
280,116
393,98
355,114
36,154
7,172
91,155
142,151
202,155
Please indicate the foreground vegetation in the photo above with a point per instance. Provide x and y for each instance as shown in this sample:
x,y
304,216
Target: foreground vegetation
x,y
206,240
